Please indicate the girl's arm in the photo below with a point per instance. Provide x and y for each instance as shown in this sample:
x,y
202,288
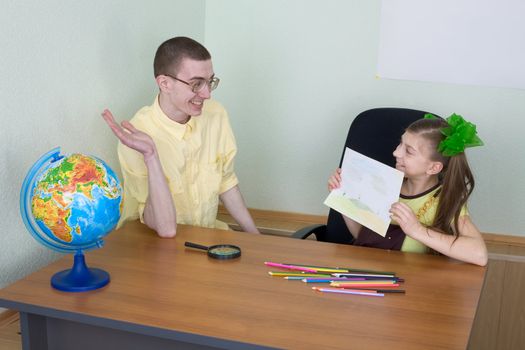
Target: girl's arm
x,y
353,226
335,182
469,246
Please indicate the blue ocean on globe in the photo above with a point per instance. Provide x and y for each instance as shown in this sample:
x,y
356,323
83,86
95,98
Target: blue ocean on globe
x,y
71,202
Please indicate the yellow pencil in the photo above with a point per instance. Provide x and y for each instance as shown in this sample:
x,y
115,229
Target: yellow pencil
x,y
282,274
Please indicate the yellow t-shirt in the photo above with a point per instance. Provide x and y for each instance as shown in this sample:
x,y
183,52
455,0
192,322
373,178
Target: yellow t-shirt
x,y
424,207
197,159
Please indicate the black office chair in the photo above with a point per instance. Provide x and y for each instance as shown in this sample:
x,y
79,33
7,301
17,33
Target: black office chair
x,y
374,133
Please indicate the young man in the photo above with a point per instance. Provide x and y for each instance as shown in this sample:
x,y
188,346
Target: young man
x,y
177,155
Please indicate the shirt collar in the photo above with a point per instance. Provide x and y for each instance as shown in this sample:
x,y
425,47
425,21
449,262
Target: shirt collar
x,y
177,129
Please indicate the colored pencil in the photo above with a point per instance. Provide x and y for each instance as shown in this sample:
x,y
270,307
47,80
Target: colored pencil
x,y
349,291
327,280
389,291
326,269
347,269
371,279
361,275
366,282
283,274
289,267
400,291
364,286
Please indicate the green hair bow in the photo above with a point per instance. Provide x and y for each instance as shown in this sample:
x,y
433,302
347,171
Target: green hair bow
x,y
460,134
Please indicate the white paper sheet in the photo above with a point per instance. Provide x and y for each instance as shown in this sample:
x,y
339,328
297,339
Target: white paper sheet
x,y
368,190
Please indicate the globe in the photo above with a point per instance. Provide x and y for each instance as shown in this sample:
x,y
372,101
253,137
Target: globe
x,y
69,203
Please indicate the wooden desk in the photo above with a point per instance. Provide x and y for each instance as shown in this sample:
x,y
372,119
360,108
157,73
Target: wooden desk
x,y
161,292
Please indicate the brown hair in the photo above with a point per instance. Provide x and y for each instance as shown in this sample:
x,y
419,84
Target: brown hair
x,y
457,181
170,54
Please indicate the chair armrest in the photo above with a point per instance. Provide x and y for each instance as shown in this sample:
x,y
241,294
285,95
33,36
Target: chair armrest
x,y
318,230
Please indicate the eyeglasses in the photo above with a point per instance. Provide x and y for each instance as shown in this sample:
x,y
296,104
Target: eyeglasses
x,y
198,84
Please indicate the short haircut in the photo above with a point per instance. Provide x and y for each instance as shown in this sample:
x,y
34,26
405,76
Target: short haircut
x,y
170,54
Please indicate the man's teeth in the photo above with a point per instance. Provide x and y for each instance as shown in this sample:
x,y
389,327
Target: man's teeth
x,y
197,102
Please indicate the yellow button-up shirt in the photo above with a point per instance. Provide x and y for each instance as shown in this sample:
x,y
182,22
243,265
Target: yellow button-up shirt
x,y
197,159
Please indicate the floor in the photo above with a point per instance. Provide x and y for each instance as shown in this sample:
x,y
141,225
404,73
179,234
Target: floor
x,y
10,331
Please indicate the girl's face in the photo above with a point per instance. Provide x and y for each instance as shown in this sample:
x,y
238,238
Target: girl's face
x,y
413,157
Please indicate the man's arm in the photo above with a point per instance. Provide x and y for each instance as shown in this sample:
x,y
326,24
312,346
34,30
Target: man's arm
x,y
234,203
159,210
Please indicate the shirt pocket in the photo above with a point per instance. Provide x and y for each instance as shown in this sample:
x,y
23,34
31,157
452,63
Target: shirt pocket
x,y
211,177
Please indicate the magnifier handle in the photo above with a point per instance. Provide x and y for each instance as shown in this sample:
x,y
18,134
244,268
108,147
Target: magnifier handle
x,y
195,245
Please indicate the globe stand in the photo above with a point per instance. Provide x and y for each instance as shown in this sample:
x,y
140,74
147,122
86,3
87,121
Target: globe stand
x,y
79,278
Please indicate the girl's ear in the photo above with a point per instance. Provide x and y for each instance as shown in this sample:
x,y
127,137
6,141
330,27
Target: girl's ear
x,y
435,168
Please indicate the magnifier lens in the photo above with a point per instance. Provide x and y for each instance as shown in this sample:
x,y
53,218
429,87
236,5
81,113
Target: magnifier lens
x,y
220,251
224,252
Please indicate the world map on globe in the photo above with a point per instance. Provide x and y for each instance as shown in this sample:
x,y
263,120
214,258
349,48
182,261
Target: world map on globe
x,y
75,200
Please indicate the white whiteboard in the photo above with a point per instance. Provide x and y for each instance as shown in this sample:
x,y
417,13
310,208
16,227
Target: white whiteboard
x,y
474,42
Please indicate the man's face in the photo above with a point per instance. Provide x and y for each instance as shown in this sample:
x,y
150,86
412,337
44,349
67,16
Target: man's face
x,y
183,102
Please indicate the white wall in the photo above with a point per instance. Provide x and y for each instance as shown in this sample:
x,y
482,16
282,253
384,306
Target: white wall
x,y
294,75
61,64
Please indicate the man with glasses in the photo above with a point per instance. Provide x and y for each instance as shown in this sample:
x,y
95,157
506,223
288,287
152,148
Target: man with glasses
x,y
177,155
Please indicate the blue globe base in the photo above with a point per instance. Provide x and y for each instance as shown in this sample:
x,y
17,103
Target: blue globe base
x,y
79,278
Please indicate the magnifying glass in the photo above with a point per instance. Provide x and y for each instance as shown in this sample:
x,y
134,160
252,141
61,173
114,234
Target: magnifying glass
x,y
219,251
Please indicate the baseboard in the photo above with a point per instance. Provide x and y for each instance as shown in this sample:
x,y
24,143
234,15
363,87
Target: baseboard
x,y
275,222
500,246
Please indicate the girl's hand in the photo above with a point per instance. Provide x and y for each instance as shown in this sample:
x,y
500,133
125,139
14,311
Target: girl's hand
x,y
406,219
335,180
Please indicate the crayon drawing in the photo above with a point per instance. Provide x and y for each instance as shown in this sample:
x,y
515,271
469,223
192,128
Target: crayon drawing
x,y
368,189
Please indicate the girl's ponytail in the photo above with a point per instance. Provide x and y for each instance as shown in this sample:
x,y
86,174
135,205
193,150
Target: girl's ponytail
x,y
457,185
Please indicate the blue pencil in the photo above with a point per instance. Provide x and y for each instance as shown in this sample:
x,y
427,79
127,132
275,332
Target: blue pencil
x,y
328,280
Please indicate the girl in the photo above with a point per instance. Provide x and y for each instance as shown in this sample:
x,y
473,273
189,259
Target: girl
x,y
431,212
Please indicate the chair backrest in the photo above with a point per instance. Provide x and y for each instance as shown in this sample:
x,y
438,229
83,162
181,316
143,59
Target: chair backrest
x,y
374,133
